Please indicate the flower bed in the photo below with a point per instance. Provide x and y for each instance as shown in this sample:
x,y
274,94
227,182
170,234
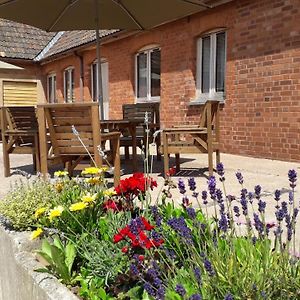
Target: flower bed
x,y
121,244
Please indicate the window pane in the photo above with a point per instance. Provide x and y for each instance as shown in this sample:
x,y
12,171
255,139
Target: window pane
x,y
66,86
205,70
49,89
142,75
72,85
54,89
155,73
220,62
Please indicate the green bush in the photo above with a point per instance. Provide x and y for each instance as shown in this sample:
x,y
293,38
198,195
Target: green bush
x,y
24,199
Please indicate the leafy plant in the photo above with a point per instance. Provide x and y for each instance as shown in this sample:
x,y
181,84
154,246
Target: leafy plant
x,y
60,259
20,204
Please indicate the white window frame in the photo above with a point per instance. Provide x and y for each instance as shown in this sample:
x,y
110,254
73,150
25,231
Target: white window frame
x,y
53,87
212,94
68,71
148,98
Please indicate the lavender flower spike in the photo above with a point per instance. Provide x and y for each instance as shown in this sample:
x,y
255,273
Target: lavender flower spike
x,y
220,171
209,268
181,186
292,174
179,289
204,197
212,185
228,297
192,183
239,177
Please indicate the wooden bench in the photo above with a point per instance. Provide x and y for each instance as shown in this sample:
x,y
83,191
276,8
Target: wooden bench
x,y
202,138
136,112
19,130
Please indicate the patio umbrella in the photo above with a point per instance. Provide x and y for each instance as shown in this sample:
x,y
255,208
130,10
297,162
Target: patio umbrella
x,y
59,15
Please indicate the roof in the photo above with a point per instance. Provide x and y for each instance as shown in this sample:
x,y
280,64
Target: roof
x,y
72,39
21,41
26,42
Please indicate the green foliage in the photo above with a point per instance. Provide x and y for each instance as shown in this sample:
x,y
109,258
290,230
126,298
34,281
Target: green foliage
x,y
93,289
60,259
21,203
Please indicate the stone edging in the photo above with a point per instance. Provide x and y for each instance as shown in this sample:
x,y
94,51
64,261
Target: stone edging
x,y
18,281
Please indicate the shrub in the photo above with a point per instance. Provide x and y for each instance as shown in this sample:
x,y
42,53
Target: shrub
x,y
25,198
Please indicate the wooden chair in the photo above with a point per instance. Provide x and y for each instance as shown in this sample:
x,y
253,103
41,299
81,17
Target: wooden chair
x,y
66,145
19,130
137,112
202,138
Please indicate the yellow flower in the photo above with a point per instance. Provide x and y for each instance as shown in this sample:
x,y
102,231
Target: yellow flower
x,y
91,171
55,212
109,193
59,186
104,169
94,180
35,234
61,173
78,206
39,212
89,198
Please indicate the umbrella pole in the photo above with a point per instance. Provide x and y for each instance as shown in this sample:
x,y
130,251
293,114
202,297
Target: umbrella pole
x,y
99,69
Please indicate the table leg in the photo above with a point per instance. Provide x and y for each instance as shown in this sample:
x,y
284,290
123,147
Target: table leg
x,y
134,146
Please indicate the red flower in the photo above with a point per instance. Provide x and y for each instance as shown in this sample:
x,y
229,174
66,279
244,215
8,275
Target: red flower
x,y
121,235
110,204
140,239
141,257
147,225
157,243
124,249
136,243
135,184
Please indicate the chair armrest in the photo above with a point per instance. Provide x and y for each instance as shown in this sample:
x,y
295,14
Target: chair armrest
x,y
110,135
190,130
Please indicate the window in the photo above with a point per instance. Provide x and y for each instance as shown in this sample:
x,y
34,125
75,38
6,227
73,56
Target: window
x,y
51,88
69,84
148,75
211,60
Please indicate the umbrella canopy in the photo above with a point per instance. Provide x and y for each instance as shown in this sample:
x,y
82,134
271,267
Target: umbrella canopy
x,y
57,15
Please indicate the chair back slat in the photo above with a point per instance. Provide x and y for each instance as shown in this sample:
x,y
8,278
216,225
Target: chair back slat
x,y
137,112
61,118
21,118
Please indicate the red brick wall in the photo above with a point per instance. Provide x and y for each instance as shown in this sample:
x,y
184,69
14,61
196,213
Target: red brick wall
x,y
261,114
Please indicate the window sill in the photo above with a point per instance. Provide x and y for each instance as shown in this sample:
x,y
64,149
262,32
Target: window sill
x,y
145,100
203,98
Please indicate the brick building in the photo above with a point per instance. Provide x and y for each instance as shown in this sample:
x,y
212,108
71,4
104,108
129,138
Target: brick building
x,y
245,53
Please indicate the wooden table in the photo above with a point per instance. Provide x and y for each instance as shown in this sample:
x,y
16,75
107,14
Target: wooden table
x,y
119,125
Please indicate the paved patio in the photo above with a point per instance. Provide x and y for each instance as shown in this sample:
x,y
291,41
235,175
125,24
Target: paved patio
x,y
270,174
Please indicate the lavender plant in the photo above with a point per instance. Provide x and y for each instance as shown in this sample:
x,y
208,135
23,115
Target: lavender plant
x,y
232,252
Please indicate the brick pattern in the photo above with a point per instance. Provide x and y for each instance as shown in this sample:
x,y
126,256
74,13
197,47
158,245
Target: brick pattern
x,y
261,114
